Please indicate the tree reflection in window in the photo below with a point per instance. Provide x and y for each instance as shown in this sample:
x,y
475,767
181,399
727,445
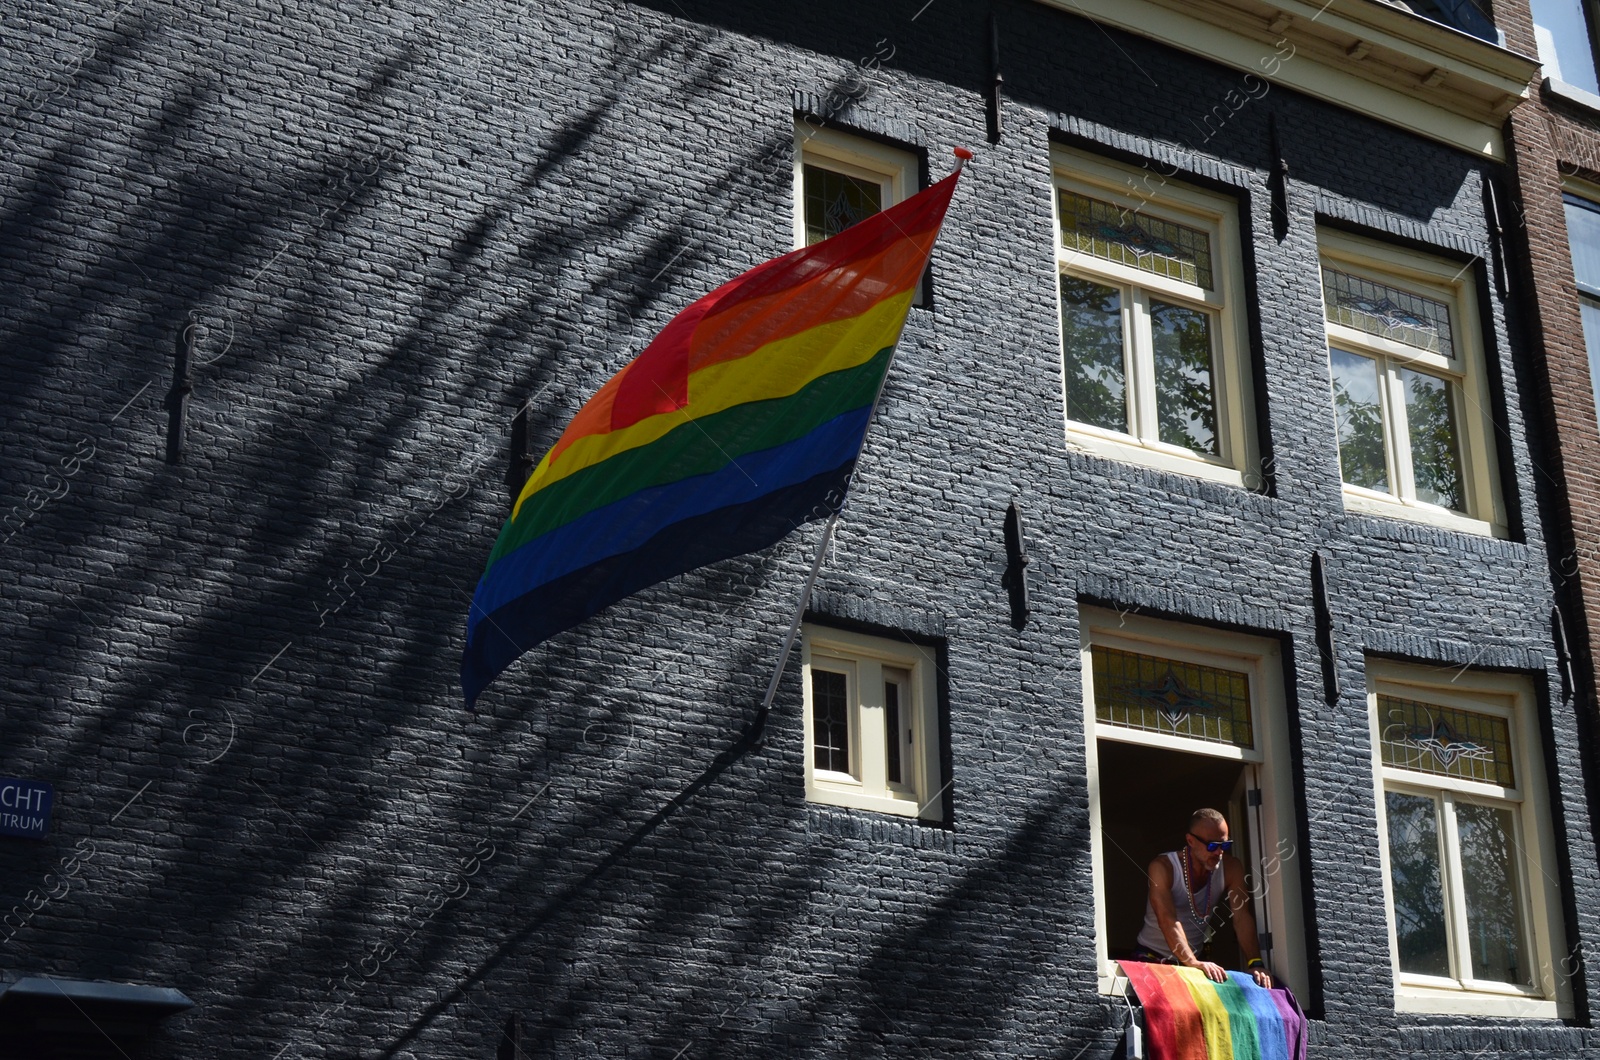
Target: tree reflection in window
x,y
1186,407
1091,337
1358,410
1416,881
1494,921
1435,454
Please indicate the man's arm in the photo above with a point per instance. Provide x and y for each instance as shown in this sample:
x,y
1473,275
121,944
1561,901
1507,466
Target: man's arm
x,y
1160,876
1244,918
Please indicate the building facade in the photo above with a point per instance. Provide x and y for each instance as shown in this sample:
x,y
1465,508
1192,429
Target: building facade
x,y
1214,468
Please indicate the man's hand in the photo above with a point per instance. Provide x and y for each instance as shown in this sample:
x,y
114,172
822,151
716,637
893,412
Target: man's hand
x,y
1263,980
1213,972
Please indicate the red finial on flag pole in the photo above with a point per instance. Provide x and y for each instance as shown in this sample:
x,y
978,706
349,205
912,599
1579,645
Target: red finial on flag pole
x,y
963,156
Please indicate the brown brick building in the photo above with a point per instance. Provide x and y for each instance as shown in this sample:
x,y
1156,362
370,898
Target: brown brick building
x,y
1551,221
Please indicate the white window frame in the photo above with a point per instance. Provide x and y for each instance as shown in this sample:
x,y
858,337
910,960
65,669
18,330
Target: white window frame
x,y
862,658
1511,697
894,170
1261,658
1455,286
1145,192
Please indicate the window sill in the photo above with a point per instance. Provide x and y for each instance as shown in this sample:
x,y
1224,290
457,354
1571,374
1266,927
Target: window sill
x,y
858,799
1364,502
1419,1000
1570,93
1131,451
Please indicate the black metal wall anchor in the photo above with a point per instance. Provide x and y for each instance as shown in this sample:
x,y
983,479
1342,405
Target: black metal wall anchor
x,y
522,460
995,80
1558,628
1497,238
182,386
1325,646
1015,579
1278,182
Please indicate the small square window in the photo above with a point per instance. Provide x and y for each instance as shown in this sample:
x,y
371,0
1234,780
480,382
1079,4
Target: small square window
x,y
1467,844
871,723
1410,389
1152,339
841,179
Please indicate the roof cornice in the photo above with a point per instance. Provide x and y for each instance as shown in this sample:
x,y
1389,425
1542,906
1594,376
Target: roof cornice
x,y
1363,55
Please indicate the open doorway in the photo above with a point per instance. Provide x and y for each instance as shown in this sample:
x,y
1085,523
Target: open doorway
x,y
1153,791
1179,717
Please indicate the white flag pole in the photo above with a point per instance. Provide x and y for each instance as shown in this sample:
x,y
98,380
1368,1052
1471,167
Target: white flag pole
x,y
759,725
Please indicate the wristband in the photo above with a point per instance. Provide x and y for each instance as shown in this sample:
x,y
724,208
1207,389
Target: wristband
x,y
1254,963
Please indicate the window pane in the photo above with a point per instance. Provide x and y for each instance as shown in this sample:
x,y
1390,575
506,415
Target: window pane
x,y
1358,409
1148,244
1387,312
830,721
1091,336
1591,337
835,201
1494,909
1413,823
1583,236
1186,401
891,728
1431,422
1563,38
1153,694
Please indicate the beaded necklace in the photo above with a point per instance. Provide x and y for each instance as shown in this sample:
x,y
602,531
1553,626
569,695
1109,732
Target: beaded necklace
x,y
1188,888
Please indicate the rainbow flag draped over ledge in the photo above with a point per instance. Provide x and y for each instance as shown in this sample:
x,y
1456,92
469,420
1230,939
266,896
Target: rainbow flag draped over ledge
x,y
741,420
1188,1017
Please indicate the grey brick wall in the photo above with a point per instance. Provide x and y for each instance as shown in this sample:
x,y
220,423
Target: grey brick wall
x,y
395,224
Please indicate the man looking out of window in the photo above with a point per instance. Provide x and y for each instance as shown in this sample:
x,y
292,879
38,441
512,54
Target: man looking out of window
x,y
1185,885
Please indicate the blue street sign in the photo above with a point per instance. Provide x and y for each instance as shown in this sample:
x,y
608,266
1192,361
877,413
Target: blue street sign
x,y
25,807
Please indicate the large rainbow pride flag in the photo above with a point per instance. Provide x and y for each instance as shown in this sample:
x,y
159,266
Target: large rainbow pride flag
x,y
741,420
1189,1017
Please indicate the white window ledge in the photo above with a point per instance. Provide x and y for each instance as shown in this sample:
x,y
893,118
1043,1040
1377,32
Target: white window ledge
x,y
1420,1000
1366,502
1571,93
1130,450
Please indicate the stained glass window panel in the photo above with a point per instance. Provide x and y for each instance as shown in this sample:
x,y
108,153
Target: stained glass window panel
x,y
1091,341
1417,883
830,721
1435,451
1149,244
835,201
1186,400
1358,412
1445,741
1387,312
1152,694
1494,906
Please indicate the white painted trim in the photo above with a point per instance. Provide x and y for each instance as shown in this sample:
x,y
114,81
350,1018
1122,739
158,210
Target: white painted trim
x,y
1312,54
1512,696
1466,373
894,170
862,658
1238,463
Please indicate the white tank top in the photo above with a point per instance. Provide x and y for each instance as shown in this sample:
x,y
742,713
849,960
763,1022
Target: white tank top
x,y
1150,936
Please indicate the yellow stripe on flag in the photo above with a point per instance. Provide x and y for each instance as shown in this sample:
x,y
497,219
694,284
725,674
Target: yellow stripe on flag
x,y
776,370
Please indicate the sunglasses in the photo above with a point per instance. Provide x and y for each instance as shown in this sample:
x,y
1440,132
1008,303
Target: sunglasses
x,y
1224,845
